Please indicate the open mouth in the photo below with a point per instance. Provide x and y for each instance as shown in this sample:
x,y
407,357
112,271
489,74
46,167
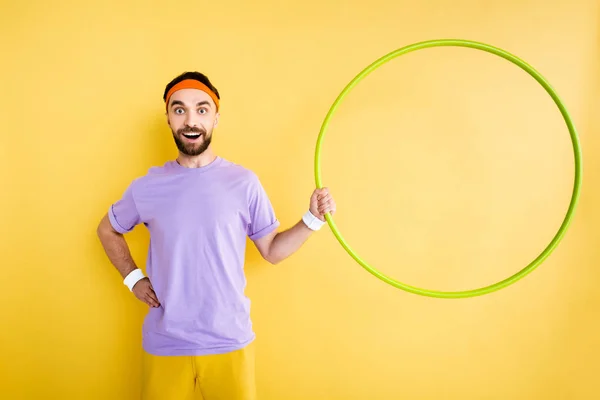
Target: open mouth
x,y
192,136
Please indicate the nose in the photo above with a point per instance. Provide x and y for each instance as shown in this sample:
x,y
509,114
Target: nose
x,y
191,120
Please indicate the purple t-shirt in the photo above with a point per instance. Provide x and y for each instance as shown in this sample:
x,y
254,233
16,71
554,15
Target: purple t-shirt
x,y
198,219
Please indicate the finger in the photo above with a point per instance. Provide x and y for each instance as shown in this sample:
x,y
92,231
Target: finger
x,y
327,197
328,204
146,300
324,210
154,297
321,192
323,205
150,301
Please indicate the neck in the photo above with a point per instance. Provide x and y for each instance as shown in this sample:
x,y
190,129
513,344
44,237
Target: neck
x,y
198,161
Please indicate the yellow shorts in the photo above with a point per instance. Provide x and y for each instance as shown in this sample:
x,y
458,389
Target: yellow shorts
x,y
228,376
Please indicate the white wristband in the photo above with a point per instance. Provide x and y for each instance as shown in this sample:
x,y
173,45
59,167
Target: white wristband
x,y
312,222
132,278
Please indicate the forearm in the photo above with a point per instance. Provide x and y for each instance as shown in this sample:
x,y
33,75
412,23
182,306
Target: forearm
x,y
287,242
117,250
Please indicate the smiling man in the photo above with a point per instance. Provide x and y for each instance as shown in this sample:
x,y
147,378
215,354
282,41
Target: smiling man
x,y
199,209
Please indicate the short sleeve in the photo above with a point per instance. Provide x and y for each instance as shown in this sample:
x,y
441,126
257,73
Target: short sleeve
x,y
262,216
123,214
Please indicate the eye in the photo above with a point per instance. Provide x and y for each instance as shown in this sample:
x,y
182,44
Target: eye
x,y
179,111
203,111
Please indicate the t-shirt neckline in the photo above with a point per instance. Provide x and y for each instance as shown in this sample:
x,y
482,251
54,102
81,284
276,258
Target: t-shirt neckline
x,y
197,170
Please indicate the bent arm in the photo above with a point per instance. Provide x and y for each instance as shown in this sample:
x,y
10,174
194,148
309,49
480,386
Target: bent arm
x,y
116,247
278,246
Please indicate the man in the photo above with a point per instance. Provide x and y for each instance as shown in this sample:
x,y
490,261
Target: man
x,y
197,336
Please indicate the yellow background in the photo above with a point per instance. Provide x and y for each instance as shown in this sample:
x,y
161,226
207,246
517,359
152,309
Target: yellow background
x,y
452,169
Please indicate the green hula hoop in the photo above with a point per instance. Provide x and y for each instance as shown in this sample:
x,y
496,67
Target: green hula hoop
x,y
576,149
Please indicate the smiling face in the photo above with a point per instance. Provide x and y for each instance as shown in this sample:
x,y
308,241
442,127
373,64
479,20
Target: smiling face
x,y
192,116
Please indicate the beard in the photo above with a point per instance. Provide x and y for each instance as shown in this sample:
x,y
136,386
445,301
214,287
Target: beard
x,y
194,148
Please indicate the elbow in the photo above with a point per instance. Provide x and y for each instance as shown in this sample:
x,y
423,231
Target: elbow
x,y
100,229
273,259
104,228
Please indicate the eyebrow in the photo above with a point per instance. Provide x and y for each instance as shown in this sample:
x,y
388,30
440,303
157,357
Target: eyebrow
x,y
201,103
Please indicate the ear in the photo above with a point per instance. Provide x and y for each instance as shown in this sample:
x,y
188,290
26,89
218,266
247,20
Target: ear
x,y
216,120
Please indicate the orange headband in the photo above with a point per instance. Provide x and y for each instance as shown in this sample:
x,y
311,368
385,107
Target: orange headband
x,y
192,84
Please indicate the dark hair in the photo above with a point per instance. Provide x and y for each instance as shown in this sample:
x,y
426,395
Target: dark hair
x,y
191,75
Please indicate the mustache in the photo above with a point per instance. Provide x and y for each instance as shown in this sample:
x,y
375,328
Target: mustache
x,y
189,129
